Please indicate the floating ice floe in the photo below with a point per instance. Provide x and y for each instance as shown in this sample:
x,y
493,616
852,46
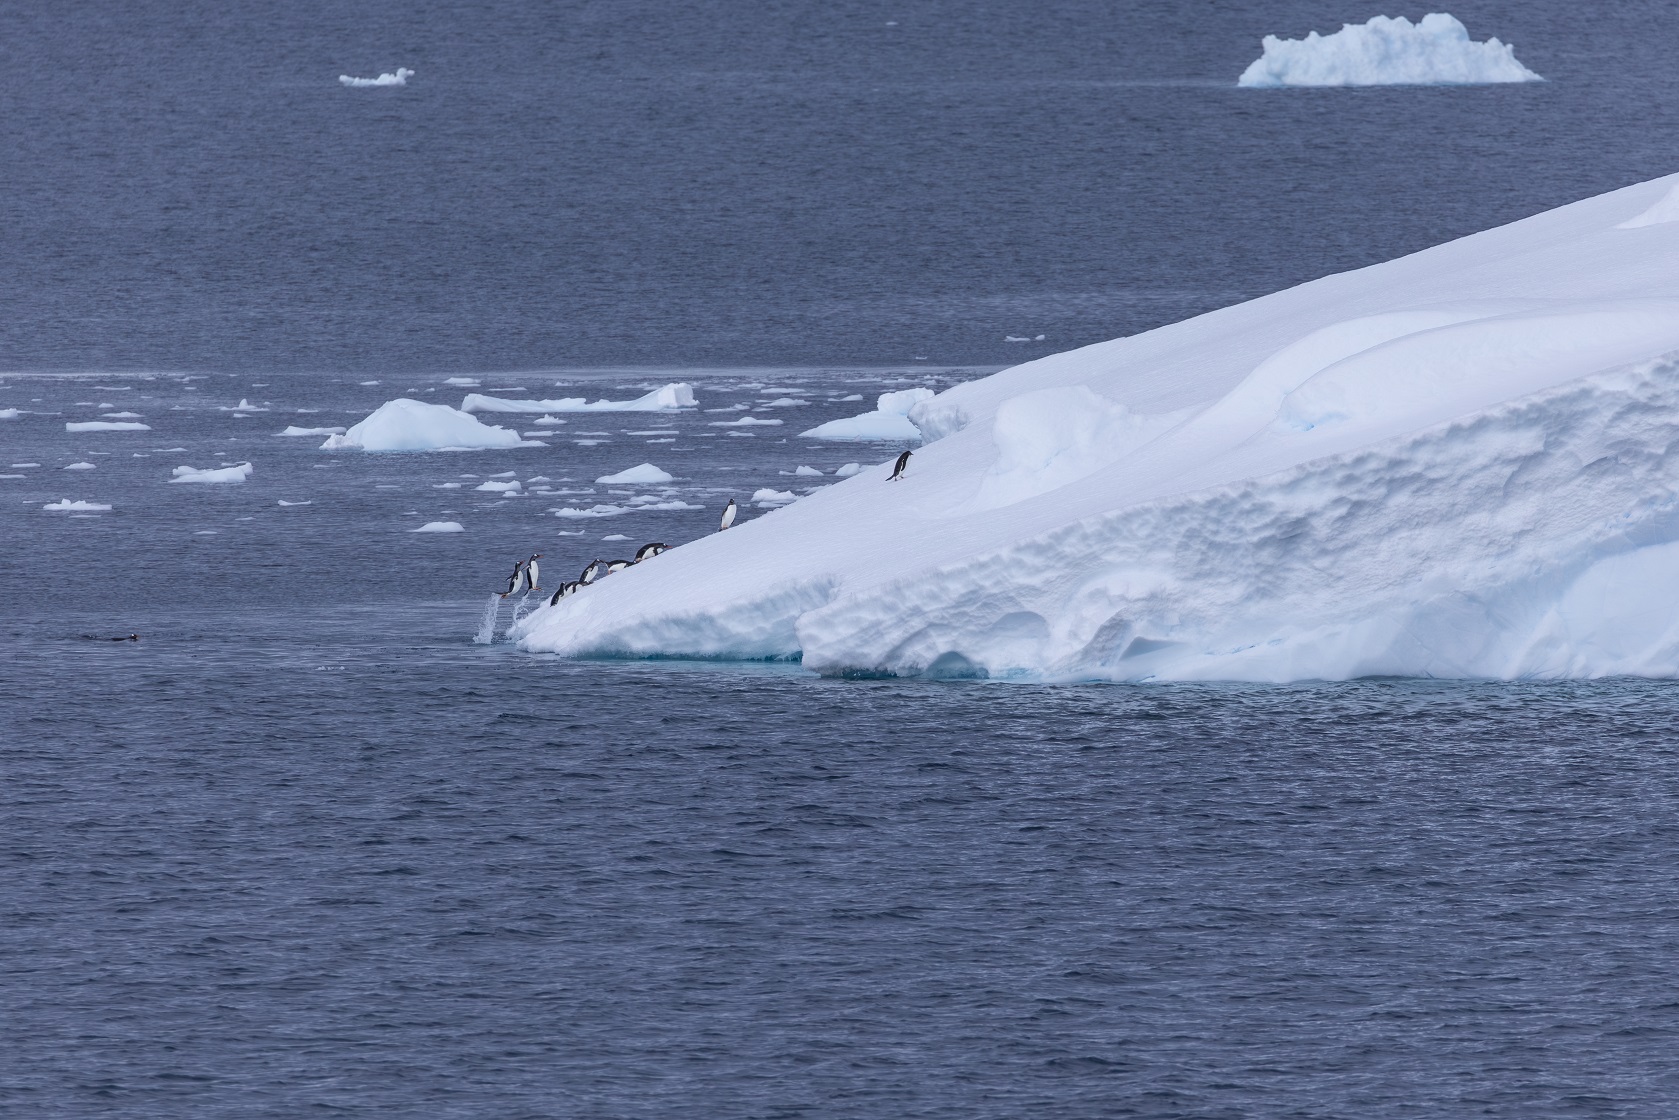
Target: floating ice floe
x,y
849,469
310,502
243,406
463,382
889,421
239,472
1435,51
294,430
85,507
399,78
79,467
668,398
440,527
745,422
10,413
409,425
644,475
1454,464
105,426
510,487
767,497
807,472
119,416
598,510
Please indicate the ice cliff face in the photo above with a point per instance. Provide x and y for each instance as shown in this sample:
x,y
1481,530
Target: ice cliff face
x,y
1461,463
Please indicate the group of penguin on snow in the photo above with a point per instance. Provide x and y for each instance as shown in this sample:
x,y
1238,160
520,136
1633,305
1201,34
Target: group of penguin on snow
x,y
526,573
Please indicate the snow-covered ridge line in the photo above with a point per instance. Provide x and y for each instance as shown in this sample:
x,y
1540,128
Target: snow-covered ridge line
x,y
1461,463
1434,51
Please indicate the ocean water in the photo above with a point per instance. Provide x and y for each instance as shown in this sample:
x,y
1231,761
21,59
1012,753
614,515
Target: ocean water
x,y
306,848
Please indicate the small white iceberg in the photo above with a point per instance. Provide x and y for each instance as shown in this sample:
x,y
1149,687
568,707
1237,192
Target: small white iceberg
x,y
105,426
86,507
440,527
462,383
79,467
744,422
239,472
889,421
409,425
400,78
294,430
1436,51
10,413
849,469
769,497
667,398
510,487
644,475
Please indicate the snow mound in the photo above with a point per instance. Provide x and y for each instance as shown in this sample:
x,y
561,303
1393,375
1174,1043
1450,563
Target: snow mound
x,y
665,399
294,430
1462,463
440,527
237,473
67,504
645,475
1436,51
105,426
889,421
400,78
410,425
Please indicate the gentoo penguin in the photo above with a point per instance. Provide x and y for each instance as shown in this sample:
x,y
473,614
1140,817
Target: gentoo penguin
x,y
565,589
729,512
532,572
898,467
617,565
515,579
647,551
589,573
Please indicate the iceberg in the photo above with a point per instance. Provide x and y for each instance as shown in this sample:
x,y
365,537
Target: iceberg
x,y
399,78
1435,51
645,475
889,421
410,425
668,398
294,430
106,426
440,527
236,473
67,504
1460,463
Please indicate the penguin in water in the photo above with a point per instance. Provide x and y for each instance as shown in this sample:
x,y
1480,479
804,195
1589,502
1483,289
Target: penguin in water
x,y
648,551
729,512
532,572
565,589
514,580
898,467
589,574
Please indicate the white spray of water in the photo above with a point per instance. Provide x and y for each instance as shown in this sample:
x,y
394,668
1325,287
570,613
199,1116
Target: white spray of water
x,y
487,625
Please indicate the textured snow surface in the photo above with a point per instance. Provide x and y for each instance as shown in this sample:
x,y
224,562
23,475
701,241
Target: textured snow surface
x,y
237,473
410,425
1434,51
1463,463
667,398
889,421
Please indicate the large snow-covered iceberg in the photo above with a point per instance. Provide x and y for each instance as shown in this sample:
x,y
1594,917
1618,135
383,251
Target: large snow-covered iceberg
x,y
1435,51
666,398
410,425
1462,463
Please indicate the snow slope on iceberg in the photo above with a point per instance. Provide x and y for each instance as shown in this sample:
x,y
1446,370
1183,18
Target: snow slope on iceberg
x,y
1461,463
1434,51
666,398
410,425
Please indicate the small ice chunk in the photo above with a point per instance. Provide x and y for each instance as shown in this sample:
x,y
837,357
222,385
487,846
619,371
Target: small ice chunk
x,y
767,497
10,413
310,502
744,422
446,486
1384,51
440,527
398,78
510,487
294,430
808,472
463,382
119,416
21,466
644,475
849,469
409,425
80,467
615,537
239,472
592,511
66,503
106,426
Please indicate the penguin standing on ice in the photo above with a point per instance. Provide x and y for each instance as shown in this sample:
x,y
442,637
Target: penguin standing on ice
x,y
589,574
532,572
515,579
898,467
648,551
729,512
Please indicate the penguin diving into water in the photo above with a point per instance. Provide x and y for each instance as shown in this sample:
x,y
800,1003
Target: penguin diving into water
x,y
729,512
898,467
648,551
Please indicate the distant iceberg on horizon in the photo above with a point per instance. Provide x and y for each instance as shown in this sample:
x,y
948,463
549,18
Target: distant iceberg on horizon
x,y
1463,463
1386,51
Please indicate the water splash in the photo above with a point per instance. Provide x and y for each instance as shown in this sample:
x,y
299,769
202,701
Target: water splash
x,y
487,625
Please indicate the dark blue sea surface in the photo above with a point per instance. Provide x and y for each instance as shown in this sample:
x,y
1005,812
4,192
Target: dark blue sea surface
x,y
305,848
